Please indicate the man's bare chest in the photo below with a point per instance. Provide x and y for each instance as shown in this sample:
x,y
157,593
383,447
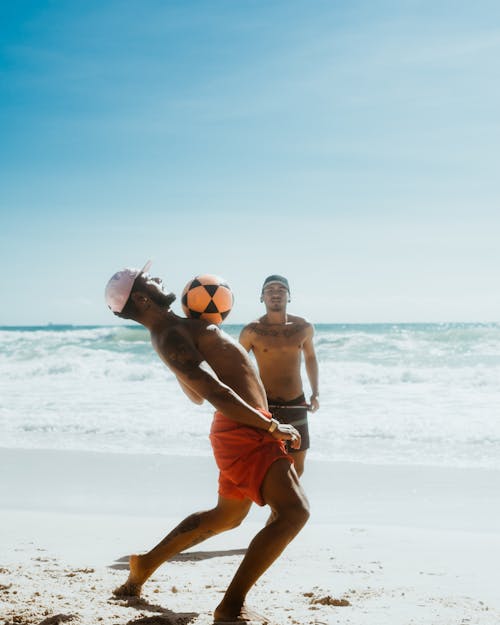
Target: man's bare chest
x,y
283,337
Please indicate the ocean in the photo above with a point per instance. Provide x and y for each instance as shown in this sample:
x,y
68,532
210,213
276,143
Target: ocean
x,y
396,394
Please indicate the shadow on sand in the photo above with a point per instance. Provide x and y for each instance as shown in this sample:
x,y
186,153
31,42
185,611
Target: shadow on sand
x,y
162,616
190,556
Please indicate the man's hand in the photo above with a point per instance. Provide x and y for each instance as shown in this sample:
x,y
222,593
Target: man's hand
x,y
286,432
314,403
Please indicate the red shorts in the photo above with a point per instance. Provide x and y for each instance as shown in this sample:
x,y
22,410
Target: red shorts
x,y
243,455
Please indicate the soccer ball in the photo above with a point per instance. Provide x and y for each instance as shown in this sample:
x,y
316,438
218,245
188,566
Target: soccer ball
x,y
207,297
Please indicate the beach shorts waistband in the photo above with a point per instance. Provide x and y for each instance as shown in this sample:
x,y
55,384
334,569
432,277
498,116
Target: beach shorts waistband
x,y
298,401
222,422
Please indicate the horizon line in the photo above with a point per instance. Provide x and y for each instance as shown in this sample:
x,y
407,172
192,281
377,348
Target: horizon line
x,y
319,323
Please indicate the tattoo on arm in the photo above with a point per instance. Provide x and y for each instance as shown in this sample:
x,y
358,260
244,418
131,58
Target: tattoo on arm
x,y
181,354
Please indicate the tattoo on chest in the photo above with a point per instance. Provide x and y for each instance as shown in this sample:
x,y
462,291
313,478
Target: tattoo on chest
x,y
276,331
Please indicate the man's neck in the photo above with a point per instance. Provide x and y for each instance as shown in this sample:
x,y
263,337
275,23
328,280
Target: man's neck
x,y
155,319
276,316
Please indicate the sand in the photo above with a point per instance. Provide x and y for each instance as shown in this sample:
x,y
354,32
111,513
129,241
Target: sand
x,y
384,546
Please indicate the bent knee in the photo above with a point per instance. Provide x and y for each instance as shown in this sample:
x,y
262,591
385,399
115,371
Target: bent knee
x,y
224,521
303,514
231,523
296,516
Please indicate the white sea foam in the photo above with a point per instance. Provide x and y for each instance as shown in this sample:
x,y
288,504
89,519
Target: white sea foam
x,y
418,394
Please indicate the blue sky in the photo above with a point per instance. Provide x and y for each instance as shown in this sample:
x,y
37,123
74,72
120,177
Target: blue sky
x,y
352,146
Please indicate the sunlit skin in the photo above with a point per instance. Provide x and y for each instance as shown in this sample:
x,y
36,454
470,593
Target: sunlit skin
x,y
278,341
210,366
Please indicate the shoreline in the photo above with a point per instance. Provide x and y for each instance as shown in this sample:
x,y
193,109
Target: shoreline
x,y
400,545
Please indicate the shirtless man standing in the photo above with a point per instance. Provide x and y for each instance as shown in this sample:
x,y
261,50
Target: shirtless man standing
x,y
248,444
278,340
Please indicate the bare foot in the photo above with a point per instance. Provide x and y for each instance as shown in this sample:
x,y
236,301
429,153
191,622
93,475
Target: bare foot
x,y
226,616
136,578
128,590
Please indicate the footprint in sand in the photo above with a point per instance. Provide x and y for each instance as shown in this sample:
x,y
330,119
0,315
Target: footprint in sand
x,y
57,619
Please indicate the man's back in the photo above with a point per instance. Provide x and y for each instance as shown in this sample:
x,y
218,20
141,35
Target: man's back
x,y
181,344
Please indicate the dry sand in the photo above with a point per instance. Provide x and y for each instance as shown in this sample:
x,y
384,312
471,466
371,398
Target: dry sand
x,y
385,545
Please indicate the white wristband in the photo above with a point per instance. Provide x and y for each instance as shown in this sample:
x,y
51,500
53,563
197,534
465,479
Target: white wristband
x,y
273,425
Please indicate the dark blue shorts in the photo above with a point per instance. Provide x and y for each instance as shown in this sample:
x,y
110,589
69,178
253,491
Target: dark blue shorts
x,y
293,412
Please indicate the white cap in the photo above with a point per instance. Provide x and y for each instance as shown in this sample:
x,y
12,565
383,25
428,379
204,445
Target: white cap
x,y
120,286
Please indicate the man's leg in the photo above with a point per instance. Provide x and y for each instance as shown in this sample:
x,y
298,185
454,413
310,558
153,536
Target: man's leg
x,y
282,491
299,458
193,530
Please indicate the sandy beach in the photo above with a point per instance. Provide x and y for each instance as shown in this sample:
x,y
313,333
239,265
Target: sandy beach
x,y
384,546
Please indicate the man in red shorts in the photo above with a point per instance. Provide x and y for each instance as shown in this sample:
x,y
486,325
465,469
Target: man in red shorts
x,y
248,444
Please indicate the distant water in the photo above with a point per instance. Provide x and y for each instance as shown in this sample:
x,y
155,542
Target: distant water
x,y
390,394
